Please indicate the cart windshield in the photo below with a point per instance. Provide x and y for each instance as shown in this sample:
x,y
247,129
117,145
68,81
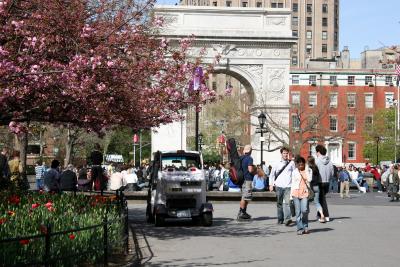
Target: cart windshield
x,y
180,162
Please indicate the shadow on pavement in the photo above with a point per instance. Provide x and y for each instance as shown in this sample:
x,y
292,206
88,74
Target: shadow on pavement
x,y
320,230
209,261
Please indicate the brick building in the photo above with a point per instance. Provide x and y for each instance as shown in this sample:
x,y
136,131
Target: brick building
x,y
332,107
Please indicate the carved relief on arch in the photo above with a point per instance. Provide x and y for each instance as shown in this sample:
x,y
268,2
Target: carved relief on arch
x,y
276,84
255,72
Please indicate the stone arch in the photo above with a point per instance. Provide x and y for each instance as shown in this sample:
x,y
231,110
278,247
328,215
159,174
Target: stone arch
x,y
242,76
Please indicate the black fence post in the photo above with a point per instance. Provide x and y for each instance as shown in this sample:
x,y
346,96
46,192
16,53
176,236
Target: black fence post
x,y
46,257
105,240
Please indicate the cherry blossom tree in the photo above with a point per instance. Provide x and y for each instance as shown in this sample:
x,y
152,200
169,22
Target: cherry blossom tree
x,y
92,64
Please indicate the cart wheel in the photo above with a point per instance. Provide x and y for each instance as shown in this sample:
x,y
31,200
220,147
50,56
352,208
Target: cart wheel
x,y
207,219
159,220
149,214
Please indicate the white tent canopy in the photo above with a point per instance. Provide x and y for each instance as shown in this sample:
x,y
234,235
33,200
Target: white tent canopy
x,y
114,158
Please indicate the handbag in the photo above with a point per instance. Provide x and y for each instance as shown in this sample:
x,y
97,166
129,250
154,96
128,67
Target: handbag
x,y
292,208
311,193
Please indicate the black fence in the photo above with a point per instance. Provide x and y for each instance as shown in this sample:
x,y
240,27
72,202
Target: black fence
x,y
104,227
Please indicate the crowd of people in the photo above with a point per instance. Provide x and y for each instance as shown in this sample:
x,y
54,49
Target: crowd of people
x,y
54,178
299,181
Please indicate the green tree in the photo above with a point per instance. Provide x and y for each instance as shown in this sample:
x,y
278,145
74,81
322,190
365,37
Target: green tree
x,y
380,136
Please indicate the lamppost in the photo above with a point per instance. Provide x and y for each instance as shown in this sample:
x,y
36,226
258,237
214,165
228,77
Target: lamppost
x,y
394,103
261,120
200,141
377,138
197,81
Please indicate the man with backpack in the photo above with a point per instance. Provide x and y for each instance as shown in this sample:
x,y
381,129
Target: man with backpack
x,y
248,169
281,178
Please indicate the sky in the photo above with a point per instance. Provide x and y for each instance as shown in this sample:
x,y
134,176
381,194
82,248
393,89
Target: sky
x,y
363,23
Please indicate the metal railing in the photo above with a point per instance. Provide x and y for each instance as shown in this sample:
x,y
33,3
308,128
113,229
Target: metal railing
x,y
48,259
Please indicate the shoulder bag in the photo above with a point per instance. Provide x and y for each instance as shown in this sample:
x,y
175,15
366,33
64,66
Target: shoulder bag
x,y
311,193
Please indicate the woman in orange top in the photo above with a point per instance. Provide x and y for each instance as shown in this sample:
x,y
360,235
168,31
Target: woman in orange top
x,y
301,178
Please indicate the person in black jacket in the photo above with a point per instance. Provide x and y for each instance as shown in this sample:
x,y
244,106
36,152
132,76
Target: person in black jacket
x,y
96,158
315,185
4,168
68,179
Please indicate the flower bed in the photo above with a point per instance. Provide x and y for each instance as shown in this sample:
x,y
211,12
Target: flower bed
x,y
34,214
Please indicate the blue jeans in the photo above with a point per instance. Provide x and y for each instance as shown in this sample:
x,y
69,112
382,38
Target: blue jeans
x,y
301,205
39,184
333,186
283,204
318,206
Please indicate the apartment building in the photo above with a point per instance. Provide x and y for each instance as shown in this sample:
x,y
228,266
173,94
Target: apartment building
x,y
314,22
333,107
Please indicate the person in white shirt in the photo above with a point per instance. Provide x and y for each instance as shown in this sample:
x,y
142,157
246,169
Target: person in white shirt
x,y
281,178
354,176
130,179
116,179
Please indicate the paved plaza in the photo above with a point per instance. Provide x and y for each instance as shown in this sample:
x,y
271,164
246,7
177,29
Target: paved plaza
x,y
364,231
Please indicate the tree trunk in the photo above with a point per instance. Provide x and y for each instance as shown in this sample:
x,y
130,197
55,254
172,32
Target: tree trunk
x,y
23,145
69,145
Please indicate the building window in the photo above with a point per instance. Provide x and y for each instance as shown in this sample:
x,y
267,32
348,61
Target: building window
x,y
295,98
333,123
313,122
294,48
309,7
351,100
352,151
368,121
295,21
324,35
312,99
228,3
294,61
214,3
259,4
368,80
324,22
312,79
308,48
295,79
295,122
389,100
309,35
295,33
351,124
324,48
350,80
388,80
369,100
245,4
295,7
280,5
309,21
324,8
333,80
333,100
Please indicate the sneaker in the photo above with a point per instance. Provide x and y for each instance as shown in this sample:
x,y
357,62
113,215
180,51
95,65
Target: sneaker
x,y
243,216
299,232
288,222
379,191
306,232
279,222
327,219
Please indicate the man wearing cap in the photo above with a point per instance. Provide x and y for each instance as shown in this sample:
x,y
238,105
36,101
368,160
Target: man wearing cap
x,y
247,167
281,178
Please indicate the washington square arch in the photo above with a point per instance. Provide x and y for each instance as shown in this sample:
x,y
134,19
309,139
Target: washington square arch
x,y
254,45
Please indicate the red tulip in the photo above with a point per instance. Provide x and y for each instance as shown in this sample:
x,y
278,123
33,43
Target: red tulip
x,y
2,220
71,236
48,204
11,213
24,242
35,205
14,199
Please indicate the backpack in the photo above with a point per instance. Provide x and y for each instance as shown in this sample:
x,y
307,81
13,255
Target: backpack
x,y
236,172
